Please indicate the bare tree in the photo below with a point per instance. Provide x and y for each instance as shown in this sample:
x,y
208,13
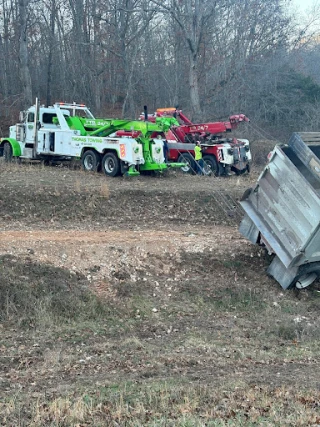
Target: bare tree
x,y
127,20
193,17
212,57
51,46
23,56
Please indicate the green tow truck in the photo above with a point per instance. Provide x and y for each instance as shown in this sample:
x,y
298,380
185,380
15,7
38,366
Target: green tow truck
x,y
70,131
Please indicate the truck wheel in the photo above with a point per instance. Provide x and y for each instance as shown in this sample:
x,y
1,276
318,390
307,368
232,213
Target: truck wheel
x,y
207,171
306,280
190,163
306,276
212,163
90,161
110,164
7,152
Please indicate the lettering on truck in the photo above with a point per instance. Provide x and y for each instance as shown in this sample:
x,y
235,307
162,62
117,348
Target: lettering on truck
x,y
79,139
198,128
96,123
89,140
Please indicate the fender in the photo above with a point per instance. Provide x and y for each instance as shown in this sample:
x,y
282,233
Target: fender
x,y
16,149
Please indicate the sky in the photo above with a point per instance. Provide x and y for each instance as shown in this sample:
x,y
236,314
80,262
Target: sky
x,y
304,5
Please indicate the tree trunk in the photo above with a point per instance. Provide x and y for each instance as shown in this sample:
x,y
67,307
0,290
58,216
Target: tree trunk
x,y
196,112
24,63
51,45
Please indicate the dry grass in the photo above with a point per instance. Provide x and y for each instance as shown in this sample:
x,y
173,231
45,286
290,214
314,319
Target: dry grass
x,y
222,354
260,150
163,404
43,296
225,346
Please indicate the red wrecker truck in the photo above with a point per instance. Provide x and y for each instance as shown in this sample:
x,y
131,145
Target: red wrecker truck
x,y
220,153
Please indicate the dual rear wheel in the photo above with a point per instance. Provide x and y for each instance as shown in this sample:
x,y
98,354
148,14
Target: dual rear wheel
x,y
92,162
111,164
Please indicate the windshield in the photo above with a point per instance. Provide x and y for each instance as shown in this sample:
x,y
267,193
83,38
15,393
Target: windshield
x,y
81,112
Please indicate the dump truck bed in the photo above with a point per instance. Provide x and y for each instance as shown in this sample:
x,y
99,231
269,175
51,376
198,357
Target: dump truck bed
x,y
283,210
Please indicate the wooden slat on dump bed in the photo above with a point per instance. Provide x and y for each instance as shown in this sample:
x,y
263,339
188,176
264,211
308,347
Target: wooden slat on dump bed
x,y
310,138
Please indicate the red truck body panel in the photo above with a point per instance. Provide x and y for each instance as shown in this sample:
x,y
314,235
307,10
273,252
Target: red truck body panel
x,y
228,153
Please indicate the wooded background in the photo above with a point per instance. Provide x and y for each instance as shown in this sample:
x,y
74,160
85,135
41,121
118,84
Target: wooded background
x,y
212,58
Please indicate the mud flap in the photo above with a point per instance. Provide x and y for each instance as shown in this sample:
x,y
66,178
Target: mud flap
x,y
124,167
248,229
283,275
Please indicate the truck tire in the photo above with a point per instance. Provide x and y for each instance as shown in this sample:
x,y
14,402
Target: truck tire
x,y
90,161
7,152
307,275
110,164
212,163
191,164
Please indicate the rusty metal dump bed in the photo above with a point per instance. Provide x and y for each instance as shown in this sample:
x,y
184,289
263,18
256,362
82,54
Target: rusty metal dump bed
x,y
283,210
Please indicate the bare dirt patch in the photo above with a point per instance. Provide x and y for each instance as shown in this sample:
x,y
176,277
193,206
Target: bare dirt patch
x,y
137,302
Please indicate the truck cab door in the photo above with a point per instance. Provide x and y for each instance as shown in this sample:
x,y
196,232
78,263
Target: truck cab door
x,y
30,128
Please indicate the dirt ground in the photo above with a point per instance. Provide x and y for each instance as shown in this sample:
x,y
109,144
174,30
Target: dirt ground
x,y
186,303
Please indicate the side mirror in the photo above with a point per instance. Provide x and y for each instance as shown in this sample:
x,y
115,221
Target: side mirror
x,y
22,115
38,125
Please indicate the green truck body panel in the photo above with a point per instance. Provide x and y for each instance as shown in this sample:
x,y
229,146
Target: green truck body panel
x,y
105,127
165,123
